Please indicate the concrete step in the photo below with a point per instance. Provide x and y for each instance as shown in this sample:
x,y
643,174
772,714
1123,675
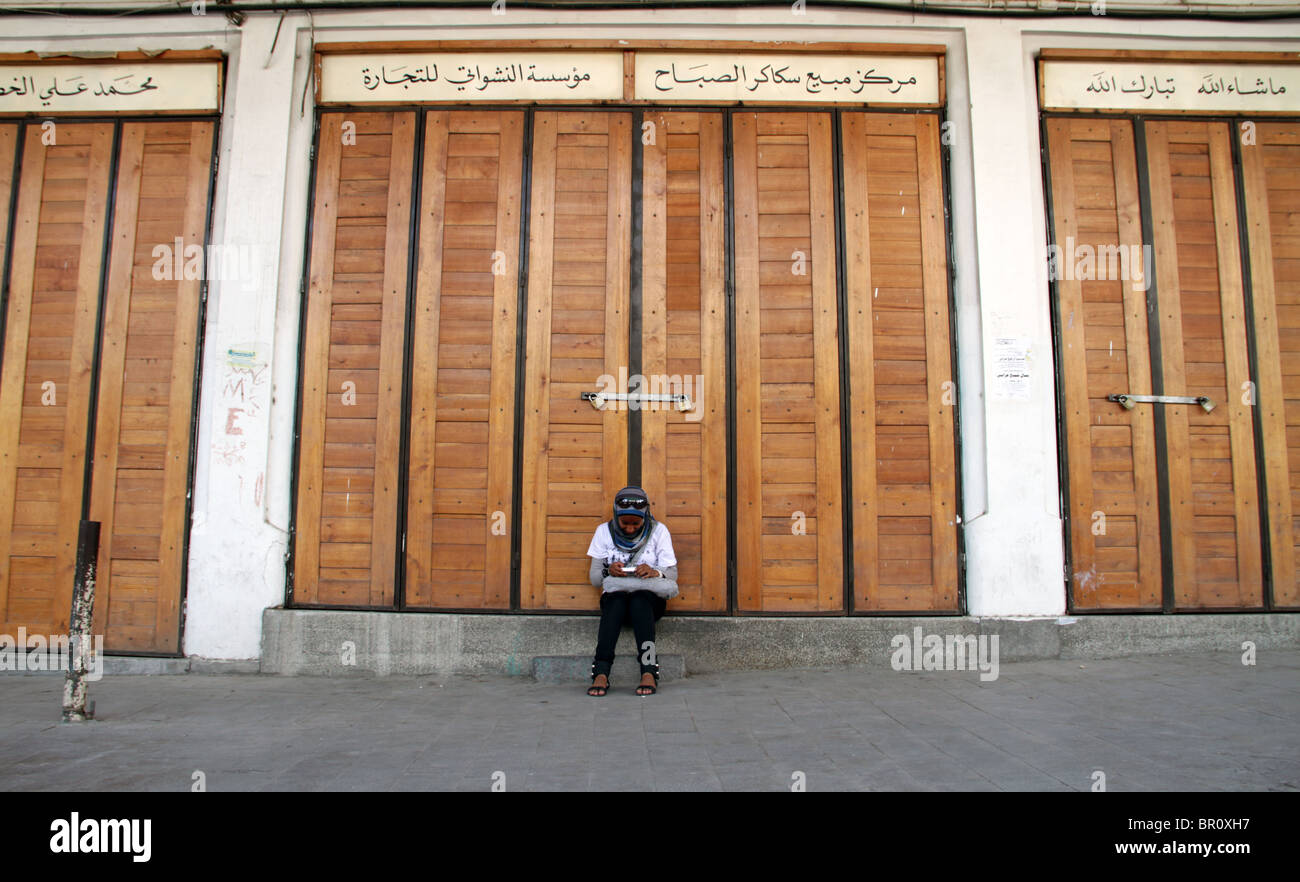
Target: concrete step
x,y
341,643
625,672
117,665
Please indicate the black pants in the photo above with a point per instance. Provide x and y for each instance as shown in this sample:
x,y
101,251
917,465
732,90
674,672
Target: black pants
x,y
639,608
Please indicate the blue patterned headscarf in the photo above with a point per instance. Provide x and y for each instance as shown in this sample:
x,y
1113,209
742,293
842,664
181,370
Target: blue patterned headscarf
x,y
638,539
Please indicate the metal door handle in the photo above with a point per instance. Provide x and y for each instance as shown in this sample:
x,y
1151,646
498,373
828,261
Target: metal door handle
x,y
598,399
1127,400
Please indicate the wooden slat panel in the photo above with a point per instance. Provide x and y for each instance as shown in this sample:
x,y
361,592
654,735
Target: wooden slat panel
x,y
317,387
1146,587
557,508
462,560
786,383
35,588
1269,206
1102,150
113,368
149,619
901,407
359,257
683,457
1189,161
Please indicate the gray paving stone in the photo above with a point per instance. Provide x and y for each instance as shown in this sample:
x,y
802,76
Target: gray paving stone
x,y
1198,721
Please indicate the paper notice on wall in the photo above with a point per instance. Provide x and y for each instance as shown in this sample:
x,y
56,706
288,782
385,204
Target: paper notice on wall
x,y
1011,372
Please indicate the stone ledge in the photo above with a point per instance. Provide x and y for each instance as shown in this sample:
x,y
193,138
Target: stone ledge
x,y
347,643
201,665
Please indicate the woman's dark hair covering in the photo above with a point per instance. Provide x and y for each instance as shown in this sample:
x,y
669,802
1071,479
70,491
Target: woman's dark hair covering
x,y
621,539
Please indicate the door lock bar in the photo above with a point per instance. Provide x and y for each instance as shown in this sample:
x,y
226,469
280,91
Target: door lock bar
x,y
1127,400
598,399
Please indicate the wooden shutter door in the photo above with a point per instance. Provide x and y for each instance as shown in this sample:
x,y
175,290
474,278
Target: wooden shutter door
x,y
1271,177
463,374
45,383
346,524
789,528
145,407
902,389
575,457
1214,506
684,455
1113,503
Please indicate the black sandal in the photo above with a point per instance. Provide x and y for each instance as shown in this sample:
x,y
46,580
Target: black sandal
x,y
603,689
653,689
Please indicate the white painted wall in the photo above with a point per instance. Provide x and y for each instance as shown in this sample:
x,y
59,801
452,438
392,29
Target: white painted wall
x,y
1010,480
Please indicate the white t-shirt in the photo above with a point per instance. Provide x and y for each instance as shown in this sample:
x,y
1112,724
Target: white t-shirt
x,y
658,552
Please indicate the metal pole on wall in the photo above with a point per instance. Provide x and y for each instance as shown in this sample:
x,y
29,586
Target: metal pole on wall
x,y
80,624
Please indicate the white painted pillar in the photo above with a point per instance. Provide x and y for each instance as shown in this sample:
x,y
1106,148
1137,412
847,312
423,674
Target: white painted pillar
x,y
236,566
1015,555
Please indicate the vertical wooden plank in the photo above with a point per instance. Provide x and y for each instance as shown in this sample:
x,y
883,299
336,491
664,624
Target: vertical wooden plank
x,y
1271,393
424,368
94,218
1074,369
830,533
181,405
502,391
654,305
1137,343
1250,585
117,308
17,326
712,398
1182,509
383,536
315,366
943,479
618,220
537,361
8,146
860,344
654,312
749,520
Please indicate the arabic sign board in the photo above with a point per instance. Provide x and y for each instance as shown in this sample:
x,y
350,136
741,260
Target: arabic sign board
x,y
99,88
1156,86
469,76
855,79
